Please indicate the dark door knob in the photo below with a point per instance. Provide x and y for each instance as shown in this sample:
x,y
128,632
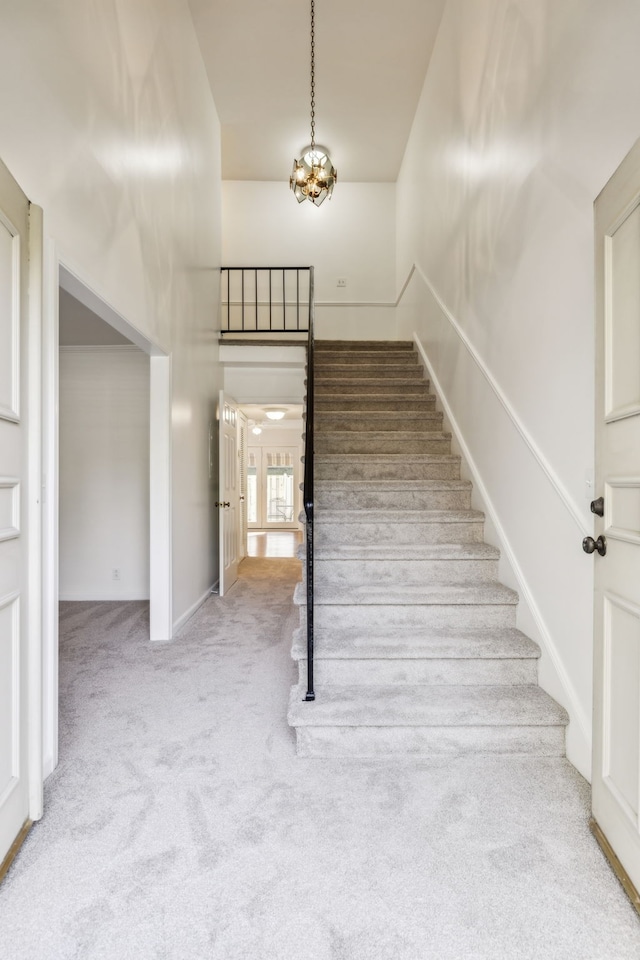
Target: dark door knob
x,y
589,545
597,507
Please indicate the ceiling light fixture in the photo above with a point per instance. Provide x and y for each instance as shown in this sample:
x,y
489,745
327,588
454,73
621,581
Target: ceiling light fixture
x,y
314,176
256,430
275,413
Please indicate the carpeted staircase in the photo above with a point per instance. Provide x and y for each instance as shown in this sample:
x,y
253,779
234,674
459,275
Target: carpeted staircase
x,y
417,652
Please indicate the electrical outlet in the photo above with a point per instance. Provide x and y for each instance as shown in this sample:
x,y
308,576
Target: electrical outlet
x,y
115,574
342,282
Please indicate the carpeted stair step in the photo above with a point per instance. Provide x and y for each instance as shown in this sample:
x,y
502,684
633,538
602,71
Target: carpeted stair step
x,y
418,720
356,372
409,421
500,643
483,593
459,607
371,403
503,656
376,346
393,494
397,526
337,358
374,466
392,385
411,564
383,441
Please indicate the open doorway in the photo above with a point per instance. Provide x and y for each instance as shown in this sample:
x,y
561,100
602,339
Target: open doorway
x,y
107,402
273,478
103,460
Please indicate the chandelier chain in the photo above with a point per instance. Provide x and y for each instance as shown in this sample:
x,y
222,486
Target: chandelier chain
x,y
313,75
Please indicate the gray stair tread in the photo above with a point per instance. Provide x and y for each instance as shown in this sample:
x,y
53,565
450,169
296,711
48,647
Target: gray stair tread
x,y
386,458
385,434
368,486
333,515
371,380
419,705
410,551
328,344
464,594
421,398
506,643
372,415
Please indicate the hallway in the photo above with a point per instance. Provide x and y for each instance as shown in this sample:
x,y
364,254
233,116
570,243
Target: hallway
x,y
181,825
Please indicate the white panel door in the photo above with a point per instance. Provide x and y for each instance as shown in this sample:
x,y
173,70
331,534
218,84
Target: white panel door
x,y
616,734
14,700
229,491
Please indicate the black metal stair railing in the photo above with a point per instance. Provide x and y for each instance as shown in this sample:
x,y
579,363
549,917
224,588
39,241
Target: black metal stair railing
x,y
265,300
307,491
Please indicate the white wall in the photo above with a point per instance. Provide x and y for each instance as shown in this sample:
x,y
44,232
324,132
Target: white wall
x,y
108,123
350,237
104,473
527,109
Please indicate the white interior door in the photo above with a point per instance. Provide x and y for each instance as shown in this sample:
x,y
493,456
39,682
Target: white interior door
x,y
229,491
14,571
616,735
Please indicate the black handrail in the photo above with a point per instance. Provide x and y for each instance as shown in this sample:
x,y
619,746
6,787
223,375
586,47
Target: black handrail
x,y
257,301
307,492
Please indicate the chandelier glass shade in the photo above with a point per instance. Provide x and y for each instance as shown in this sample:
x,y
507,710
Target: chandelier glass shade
x,y
313,176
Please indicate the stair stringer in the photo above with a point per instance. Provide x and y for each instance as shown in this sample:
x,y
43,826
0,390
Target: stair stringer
x,y
553,676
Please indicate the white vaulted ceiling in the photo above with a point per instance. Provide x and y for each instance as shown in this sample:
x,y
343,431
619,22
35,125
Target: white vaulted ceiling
x,y
371,60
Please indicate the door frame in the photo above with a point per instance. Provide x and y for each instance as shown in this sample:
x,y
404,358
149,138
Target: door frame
x,y
56,274
618,838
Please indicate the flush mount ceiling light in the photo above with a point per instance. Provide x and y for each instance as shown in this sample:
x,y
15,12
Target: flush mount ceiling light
x,y
274,413
314,176
256,430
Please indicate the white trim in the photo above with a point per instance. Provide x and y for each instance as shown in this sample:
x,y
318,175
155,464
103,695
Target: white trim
x,y
33,496
573,703
12,413
50,338
13,530
544,464
101,348
12,600
160,484
181,622
70,282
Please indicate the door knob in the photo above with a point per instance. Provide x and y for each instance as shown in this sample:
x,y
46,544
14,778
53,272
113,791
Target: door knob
x,y
222,503
589,545
597,507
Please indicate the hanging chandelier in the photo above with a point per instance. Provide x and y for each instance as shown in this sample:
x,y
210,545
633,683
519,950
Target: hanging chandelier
x,y
314,176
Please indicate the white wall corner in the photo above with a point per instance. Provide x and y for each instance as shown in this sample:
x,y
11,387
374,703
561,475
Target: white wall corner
x,y
552,675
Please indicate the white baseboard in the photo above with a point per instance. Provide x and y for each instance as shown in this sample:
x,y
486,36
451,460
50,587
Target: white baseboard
x,y
93,598
181,622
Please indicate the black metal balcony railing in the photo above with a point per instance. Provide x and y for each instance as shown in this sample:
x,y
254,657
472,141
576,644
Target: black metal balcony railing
x,y
265,300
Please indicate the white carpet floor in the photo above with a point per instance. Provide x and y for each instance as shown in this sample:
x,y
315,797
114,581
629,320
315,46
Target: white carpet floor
x,y
180,825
